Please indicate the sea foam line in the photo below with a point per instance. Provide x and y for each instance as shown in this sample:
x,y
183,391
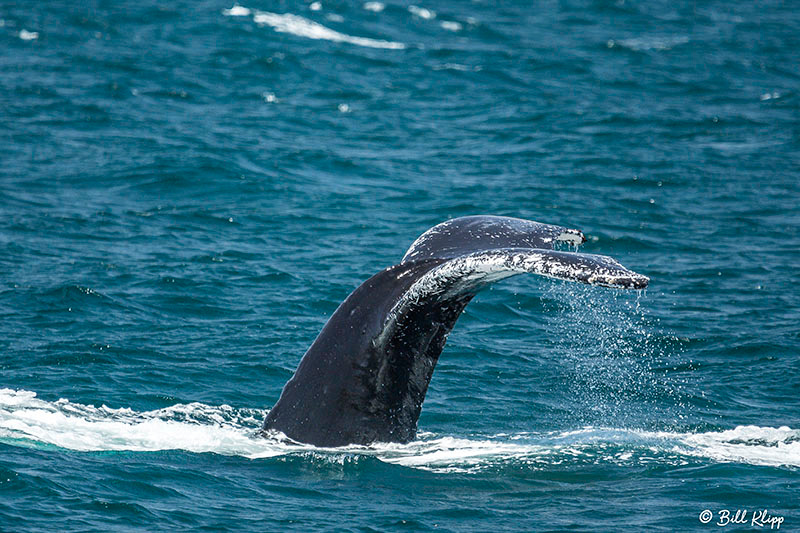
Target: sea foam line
x,y
25,420
303,27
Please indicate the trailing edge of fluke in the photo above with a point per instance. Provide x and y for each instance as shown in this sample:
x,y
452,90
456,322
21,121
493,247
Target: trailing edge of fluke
x,y
365,376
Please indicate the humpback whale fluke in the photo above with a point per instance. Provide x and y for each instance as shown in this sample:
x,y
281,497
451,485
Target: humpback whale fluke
x,y
365,376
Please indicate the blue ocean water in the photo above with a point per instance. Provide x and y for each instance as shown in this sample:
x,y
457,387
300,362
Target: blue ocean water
x,y
189,189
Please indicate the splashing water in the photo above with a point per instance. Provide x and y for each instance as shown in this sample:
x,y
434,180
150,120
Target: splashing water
x,y
26,420
612,352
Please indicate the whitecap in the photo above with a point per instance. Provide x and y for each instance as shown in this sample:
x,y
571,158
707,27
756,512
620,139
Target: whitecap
x,y
302,27
26,35
451,25
237,11
422,12
375,7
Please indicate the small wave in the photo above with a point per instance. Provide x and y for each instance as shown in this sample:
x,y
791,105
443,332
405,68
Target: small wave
x,y
649,43
26,420
303,27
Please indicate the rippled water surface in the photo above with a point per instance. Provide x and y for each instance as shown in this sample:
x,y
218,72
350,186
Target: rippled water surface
x,y
189,189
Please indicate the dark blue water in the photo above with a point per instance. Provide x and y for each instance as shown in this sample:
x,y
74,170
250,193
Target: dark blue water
x,y
188,190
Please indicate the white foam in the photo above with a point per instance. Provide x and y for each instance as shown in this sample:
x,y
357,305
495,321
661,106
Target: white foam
x,y
448,454
193,427
302,27
26,35
237,11
26,420
375,7
450,25
747,444
422,12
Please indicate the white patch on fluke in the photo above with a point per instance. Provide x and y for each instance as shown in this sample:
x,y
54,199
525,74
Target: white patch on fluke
x,y
469,271
26,420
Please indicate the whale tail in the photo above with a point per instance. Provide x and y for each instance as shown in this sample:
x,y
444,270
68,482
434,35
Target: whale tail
x,y
366,375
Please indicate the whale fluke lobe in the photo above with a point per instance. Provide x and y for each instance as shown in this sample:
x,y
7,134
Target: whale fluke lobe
x,y
461,236
365,376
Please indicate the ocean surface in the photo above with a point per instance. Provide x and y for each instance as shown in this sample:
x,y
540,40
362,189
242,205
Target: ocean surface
x,y
188,190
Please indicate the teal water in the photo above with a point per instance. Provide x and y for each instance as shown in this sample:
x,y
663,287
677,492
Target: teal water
x,y
188,190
